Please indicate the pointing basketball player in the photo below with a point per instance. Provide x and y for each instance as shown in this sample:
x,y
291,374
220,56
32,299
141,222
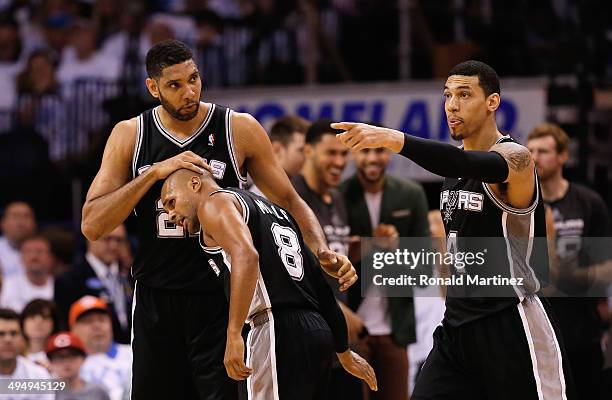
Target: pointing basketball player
x,y
487,347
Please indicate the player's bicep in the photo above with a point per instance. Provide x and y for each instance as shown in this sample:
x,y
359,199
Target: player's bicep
x,y
114,170
521,173
261,163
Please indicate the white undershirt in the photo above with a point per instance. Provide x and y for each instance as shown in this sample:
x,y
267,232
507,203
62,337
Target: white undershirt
x,y
26,369
10,259
373,309
18,291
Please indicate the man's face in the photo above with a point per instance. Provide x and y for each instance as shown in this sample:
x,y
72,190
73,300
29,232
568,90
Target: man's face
x,y
329,157
10,339
180,202
108,247
371,163
38,326
95,329
291,157
37,257
179,89
66,364
466,105
18,222
544,152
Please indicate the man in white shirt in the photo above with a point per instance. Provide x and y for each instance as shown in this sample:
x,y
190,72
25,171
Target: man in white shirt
x,y
108,364
98,275
17,223
37,280
288,136
13,366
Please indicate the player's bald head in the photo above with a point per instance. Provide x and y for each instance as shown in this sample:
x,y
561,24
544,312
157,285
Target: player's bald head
x,y
180,178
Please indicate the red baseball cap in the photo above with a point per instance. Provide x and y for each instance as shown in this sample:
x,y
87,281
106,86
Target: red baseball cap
x,y
64,340
83,305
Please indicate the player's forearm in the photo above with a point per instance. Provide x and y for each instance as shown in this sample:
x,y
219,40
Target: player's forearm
x,y
104,213
245,269
331,312
308,223
449,161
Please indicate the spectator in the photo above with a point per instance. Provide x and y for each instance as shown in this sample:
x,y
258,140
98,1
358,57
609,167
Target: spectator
x,y
209,50
39,320
579,216
38,78
10,56
81,60
385,208
288,138
99,275
108,364
17,223
67,355
57,27
37,281
326,158
12,365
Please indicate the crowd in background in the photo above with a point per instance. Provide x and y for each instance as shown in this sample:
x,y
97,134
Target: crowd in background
x,y
70,69
89,299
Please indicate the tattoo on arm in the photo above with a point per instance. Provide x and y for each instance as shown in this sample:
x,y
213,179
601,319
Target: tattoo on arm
x,y
517,156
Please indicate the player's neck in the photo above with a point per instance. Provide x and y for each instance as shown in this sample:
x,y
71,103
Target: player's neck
x,y
183,129
7,367
554,188
484,139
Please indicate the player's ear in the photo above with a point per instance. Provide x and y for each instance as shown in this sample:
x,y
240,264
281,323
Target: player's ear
x,y
493,102
153,87
195,184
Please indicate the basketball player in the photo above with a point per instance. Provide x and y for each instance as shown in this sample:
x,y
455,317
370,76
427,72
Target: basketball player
x,y
180,311
486,347
276,286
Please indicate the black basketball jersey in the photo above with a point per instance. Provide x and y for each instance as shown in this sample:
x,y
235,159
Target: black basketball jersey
x,y
470,209
290,275
168,257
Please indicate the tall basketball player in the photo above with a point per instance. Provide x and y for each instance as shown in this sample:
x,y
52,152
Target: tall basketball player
x,y
493,347
274,282
180,310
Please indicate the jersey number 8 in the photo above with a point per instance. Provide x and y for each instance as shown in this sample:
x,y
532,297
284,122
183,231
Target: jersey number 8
x,y
289,250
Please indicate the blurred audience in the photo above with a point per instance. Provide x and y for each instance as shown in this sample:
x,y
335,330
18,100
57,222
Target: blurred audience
x,y
67,355
37,280
39,76
288,136
18,223
12,365
580,218
384,208
39,320
99,275
108,364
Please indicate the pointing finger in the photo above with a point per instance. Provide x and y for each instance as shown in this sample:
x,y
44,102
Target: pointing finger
x,y
343,125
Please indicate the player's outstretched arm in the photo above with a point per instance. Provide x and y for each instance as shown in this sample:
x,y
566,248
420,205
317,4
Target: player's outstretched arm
x,y
253,142
110,198
223,221
439,158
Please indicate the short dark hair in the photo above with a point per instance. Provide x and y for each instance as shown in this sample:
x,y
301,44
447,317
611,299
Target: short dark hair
x,y
9,315
45,308
284,128
487,77
553,130
165,54
318,129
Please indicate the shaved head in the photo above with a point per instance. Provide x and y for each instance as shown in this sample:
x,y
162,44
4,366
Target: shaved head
x,y
180,196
